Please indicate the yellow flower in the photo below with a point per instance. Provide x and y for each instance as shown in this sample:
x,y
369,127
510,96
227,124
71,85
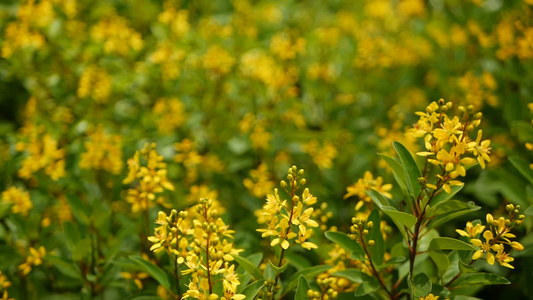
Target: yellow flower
x,y
34,259
429,297
481,149
19,198
471,230
485,247
504,259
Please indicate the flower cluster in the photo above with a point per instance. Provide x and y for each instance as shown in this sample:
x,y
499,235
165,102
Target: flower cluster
x,y
151,179
367,183
196,164
496,236
116,36
288,223
260,183
170,114
96,83
322,156
210,254
102,152
325,291
19,198
448,143
43,153
34,259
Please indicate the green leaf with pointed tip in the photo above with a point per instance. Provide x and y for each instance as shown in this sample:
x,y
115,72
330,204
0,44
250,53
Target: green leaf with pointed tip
x,y
443,196
246,277
392,261
466,268
301,290
411,170
367,287
447,207
378,249
343,240
249,267
253,288
66,267
445,243
397,171
308,273
440,259
354,275
480,278
152,269
400,218
378,198
421,285
279,270
452,215
522,166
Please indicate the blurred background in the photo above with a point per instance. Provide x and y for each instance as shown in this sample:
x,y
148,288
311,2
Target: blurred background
x,y
234,93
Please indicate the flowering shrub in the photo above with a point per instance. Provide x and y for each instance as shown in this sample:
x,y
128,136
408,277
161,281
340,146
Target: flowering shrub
x,y
149,149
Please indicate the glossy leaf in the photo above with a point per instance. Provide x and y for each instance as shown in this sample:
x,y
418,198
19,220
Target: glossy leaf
x,y
301,290
152,270
445,243
522,166
249,267
378,249
343,240
252,289
480,278
400,218
411,170
308,273
421,285
397,171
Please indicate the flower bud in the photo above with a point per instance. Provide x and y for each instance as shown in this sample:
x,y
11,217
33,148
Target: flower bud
x,y
441,101
290,177
509,207
490,219
517,246
371,243
301,172
303,181
369,225
365,232
283,184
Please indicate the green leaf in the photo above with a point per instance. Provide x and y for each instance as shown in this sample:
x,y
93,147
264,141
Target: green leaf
x,y
152,270
78,209
440,259
72,234
480,278
308,273
466,268
392,261
297,260
447,207
443,196
452,215
354,275
529,211
66,267
378,249
522,166
249,267
411,170
301,290
253,288
378,198
246,277
445,243
397,171
400,218
421,285
279,270
343,240
367,287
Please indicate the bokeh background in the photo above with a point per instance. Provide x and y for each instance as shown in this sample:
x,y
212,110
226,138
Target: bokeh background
x,y
234,93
